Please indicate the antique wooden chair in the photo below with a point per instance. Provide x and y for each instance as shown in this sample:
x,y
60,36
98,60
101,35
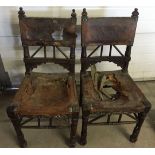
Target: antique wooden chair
x,y
46,96
131,102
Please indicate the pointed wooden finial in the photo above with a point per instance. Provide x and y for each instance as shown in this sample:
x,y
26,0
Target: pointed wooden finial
x,y
73,16
84,15
21,13
135,13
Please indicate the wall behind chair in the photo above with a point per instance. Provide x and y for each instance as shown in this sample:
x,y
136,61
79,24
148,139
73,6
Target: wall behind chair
x,y
143,52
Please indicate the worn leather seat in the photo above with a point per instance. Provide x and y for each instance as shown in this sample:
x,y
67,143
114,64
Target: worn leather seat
x,y
133,101
46,94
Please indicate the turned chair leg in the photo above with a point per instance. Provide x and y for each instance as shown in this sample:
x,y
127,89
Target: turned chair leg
x,y
83,140
16,123
73,138
81,90
136,131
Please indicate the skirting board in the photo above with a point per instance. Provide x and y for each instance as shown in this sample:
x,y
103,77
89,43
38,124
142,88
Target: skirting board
x,y
144,79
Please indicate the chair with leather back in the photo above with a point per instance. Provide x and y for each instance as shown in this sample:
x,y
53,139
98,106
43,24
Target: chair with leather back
x,y
128,100
46,95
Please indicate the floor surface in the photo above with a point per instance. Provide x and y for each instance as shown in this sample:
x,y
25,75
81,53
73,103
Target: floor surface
x,y
98,136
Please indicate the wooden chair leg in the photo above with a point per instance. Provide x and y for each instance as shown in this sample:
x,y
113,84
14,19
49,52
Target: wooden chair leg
x,y
16,123
136,131
134,136
85,117
81,90
75,117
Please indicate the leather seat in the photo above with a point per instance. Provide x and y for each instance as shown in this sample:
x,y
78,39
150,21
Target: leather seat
x,y
46,94
132,102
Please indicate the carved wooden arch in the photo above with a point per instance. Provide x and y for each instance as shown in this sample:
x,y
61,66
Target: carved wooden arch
x,y
67,64
119,61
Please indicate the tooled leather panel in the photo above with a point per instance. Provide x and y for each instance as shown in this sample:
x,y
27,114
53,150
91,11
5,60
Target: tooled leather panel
x,y
37,31
109,30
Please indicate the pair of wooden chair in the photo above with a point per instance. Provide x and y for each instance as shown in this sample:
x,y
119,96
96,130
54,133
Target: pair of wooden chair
x,y
51,96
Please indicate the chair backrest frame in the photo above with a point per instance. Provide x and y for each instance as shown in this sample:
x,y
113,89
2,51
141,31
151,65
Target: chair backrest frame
x,y
39,31
110,31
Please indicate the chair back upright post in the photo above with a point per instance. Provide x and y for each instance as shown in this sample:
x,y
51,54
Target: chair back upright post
x,y
21,16
72,49
84,19
134,15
